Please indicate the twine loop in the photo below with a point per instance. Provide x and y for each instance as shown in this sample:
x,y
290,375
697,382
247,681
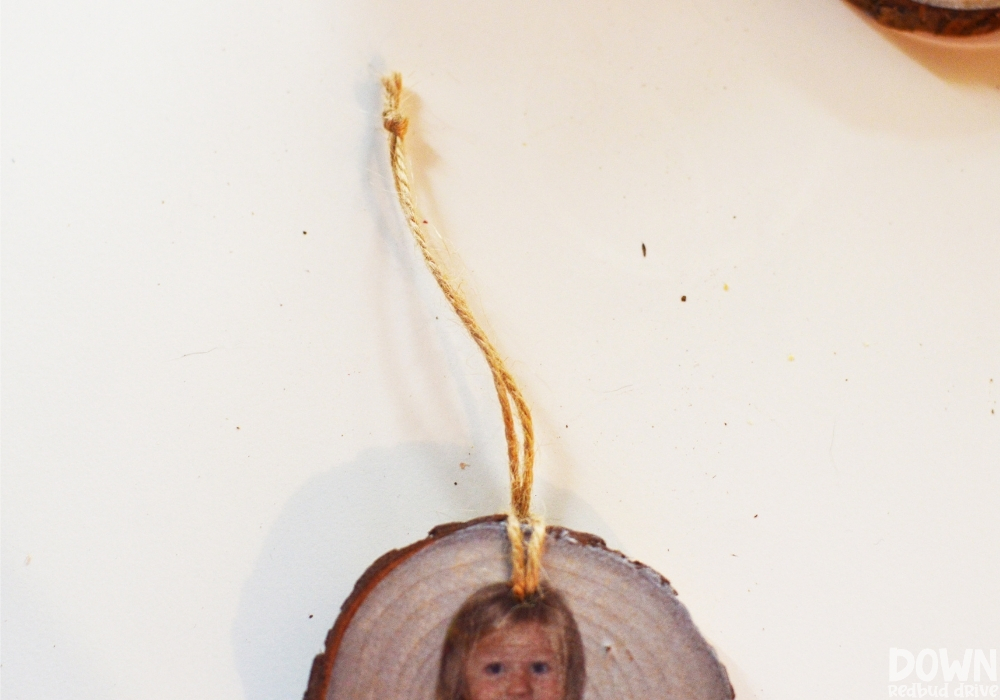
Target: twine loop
x,y
518,429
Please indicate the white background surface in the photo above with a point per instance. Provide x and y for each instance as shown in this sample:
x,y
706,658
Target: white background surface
x,y
213,422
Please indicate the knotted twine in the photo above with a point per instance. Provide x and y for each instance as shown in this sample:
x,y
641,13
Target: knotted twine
x,y
525,555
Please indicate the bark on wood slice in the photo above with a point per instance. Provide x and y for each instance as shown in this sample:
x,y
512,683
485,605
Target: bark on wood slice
x,y
639,641
942,17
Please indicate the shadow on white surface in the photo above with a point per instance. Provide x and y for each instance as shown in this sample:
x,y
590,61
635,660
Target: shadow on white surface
x,y
737,678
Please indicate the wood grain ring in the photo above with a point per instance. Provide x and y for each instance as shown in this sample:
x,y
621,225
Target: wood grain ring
x,y
910,15
639,640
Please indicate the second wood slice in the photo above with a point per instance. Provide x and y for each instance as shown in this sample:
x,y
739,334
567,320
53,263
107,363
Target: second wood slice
x,y
954,18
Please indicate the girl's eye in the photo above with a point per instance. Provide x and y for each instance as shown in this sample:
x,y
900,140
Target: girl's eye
x,y
539,667
494,668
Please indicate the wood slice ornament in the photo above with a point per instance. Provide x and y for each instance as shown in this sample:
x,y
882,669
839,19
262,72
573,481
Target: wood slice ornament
x,y
638,639
501,606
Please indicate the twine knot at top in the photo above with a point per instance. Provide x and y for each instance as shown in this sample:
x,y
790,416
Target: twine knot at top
x,y
392,119
395,123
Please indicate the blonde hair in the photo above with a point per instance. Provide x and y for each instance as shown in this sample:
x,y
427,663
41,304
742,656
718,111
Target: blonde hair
x,y
495,606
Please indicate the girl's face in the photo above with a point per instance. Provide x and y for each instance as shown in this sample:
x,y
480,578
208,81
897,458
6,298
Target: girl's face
x,y
517,661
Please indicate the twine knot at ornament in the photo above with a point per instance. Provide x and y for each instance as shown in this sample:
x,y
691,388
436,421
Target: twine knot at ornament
x,y
525,556
525,560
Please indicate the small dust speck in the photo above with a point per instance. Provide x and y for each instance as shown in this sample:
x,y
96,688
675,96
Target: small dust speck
x,y
310,617
643,250
27,560
237,427
755,515
791,358
463,465
684,298
306,233
456,483
725,287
